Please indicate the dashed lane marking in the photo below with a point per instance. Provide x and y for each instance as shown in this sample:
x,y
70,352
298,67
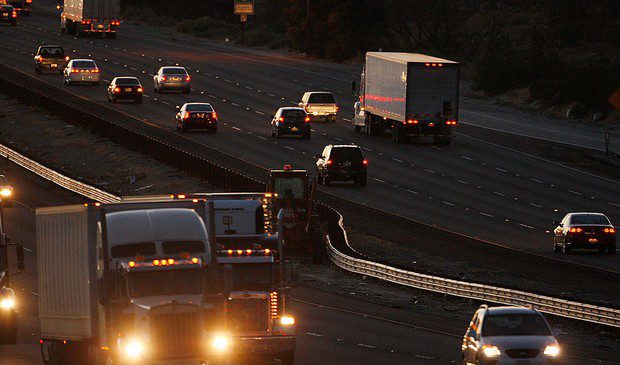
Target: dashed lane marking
x,y
486,214
259,112
431,171
314,334
379,180
536,205
366,346
526,226
236,128
500,169
448,203
261,137
463,182
412,192
614,204
575,192
536,180
498,193
397,160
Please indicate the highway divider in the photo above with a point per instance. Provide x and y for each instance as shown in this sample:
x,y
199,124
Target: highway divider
x,y
205,162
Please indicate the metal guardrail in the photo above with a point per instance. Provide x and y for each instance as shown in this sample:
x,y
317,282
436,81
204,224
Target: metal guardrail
x,y
136,137
546,304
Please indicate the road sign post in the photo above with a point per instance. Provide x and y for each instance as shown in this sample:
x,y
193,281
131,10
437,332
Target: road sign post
x,y
244,8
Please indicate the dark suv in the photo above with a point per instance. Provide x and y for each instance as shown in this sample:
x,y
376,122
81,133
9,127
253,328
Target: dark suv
x,y
341,163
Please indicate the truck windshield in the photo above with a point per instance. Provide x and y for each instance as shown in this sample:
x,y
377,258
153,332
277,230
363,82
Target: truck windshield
x,y
165,282
322,98
289,188
252,276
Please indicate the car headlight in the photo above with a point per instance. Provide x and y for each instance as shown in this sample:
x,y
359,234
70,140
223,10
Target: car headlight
x,y
490,351
315,113
6,192
552,350
221,343
287,320
7,303
134,349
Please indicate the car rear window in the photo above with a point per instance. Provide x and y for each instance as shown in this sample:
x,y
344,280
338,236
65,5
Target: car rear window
x,y
199,108
589,219
294,113
322,98
52,51
515,325
174,71
127,81
346,153
84,64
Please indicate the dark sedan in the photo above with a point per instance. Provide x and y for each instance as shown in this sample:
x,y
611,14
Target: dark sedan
x,y
591,231
196,116
125,88
8,14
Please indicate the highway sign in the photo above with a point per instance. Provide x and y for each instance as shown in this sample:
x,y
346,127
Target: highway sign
x,y
245,7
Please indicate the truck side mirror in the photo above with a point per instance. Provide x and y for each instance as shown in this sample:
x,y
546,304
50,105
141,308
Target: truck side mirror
x,y
556,223
19,250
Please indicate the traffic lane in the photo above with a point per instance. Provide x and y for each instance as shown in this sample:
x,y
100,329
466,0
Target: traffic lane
x,y
524,224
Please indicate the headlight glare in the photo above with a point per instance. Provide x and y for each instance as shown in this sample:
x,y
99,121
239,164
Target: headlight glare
x,y
7,303
6,192
220,343
287,320
490,351
552,350
134,349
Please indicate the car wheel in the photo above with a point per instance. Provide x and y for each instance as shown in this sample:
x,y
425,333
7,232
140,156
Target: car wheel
x,y
319,179
566,249
326,181
183,127
278,135
273,133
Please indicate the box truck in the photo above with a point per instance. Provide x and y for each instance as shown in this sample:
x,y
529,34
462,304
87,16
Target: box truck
x,y
411,94
84,17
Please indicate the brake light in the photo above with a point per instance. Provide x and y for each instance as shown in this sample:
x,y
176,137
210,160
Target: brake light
x,y
41,59
132,264
163,78
609,230
413,121
186,115
117,89
67,58
267,251
329,162
451,122
281,119
431,124
576,230
365,162
214,115
188,78
73,71
139,90
307,119
14,15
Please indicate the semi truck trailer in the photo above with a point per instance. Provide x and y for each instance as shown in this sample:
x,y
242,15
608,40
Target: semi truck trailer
x,y
129,283
84,17
410,94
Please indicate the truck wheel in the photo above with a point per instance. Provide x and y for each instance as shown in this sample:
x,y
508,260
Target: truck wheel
x,y
566,249
398,136
326,181
611,250
287,358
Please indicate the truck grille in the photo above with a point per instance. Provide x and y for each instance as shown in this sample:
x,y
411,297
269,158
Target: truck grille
x,y
176,334
248,315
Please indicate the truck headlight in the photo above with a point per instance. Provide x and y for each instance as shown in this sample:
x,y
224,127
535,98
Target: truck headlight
x,y
287,320
6,192
134,349
552,350
221,343
7,303
490,351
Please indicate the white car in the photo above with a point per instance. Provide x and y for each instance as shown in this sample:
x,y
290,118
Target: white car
x,y
172,78
81,71
509,335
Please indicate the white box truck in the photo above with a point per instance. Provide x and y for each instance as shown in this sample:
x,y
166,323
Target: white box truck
x,y
129,283
411,94
84,17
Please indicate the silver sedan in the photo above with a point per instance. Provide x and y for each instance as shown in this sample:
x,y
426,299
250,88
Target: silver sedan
x,y
172,78
81,70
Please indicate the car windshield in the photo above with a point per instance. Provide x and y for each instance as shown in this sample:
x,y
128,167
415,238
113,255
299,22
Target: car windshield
x,y
165,282
346,153
84,64
589,219
289,188
515,325
174,71
198,108
52,51
322,98
293,113
127,81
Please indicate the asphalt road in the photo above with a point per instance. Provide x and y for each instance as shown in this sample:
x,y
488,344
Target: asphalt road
x,y
474,186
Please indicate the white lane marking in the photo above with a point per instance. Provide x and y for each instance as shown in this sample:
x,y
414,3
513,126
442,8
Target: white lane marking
x,y
212,96
146,96
237,129
261,137
235,104
259,113
463,182
379,180
500,169
423,357
133,68
347,119
467,158
526,226
314,334
614,204
431,171
27,249
575,192
448,203
290,148
367,149
435,147
273,96
34,293
338,139
536,180
165,102
486,214
412,192
397,160
249,88
536,205
498,193
230,82
367,346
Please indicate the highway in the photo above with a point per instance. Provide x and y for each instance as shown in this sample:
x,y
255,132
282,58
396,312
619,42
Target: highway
x,y
333,328
475,186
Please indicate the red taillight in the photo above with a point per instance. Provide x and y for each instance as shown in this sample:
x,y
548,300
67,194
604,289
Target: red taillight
x,y
14,15
413,121
214,115
365,162
67,58
281,119
186,115
576,230
74,71
329,162
163,78
86,21
96,71
117,89
307,119
451,122
139,90
609,230
188,78
41,59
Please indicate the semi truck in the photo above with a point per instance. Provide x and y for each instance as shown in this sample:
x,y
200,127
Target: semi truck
x,y
21,6
411,94
248,245
129,283
83,17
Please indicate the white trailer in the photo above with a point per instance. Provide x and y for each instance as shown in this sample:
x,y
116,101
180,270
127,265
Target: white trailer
x,y
84,17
